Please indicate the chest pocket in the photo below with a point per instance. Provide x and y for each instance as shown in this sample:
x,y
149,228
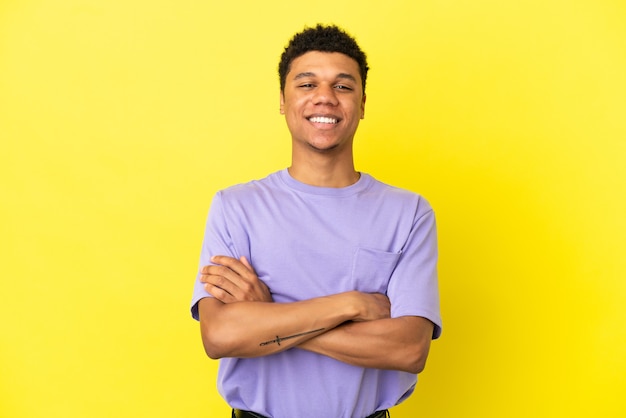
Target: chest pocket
x,y
372,269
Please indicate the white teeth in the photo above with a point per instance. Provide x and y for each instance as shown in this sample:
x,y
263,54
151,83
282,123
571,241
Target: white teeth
x,y
322,119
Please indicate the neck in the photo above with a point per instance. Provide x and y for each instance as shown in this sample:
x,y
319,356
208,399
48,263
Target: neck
x,y
324,172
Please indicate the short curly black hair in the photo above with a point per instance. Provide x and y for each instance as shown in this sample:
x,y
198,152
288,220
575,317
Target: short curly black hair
x,y
322,38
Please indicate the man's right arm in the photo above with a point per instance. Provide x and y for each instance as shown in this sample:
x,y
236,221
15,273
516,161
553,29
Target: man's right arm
x,y
252,329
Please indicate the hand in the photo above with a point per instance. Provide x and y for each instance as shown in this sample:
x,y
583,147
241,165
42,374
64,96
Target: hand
x,y
231,280
373,306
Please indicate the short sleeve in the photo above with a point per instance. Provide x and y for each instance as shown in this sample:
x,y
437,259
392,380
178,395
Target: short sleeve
x,y
413,288
217,241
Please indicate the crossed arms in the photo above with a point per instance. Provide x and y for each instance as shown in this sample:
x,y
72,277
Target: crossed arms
x,y
242,320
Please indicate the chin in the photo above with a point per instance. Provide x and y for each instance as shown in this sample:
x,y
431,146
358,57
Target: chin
x,y
323,148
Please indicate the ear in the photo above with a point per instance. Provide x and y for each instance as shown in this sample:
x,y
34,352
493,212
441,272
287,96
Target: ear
x,y
282,102
363,107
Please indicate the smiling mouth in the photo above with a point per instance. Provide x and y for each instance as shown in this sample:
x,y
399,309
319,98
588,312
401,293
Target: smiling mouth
x,y
323,119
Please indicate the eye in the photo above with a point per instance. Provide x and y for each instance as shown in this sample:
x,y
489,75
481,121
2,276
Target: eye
x,y
343,87
306,85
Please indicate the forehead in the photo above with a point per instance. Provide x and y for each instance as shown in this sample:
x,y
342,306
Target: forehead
x,y
324,64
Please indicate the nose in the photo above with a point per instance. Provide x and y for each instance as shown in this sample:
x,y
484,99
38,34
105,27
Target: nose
x,y
325,95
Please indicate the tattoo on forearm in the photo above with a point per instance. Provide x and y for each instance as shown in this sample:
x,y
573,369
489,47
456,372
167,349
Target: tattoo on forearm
x,y
278,339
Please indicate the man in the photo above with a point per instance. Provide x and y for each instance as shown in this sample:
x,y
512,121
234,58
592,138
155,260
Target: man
x,y
318,284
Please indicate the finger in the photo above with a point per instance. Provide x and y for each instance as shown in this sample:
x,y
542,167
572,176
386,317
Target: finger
x,y
222,276
244,283
219,293
243,270
246,263
225,260
222,259
216,260
221,283
216,270
227,279
207,269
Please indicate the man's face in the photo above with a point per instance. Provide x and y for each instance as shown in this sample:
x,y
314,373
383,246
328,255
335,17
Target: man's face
x,y
323,100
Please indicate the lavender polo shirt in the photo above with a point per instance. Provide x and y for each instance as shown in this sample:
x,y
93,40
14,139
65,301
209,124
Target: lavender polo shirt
x,y
304,242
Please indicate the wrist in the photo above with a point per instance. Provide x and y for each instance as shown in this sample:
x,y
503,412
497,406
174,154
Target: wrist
x,y
349,304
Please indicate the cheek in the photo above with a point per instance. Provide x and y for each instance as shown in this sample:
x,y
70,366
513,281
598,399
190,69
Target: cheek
x,y
295,107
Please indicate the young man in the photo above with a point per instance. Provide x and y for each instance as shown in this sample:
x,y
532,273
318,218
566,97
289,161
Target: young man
x,y
318,284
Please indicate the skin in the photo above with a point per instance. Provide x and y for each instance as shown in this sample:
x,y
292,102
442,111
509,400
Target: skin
x,y
352,327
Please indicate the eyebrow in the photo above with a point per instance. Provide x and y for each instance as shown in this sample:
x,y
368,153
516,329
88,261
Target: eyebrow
x,y
310,74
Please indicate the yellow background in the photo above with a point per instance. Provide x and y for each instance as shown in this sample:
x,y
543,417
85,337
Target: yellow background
x,y
119,119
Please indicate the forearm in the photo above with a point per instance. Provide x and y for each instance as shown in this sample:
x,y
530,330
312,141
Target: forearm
x,y
251,329
395,344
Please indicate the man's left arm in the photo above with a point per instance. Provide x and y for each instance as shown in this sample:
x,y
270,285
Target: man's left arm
x,y
399,343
